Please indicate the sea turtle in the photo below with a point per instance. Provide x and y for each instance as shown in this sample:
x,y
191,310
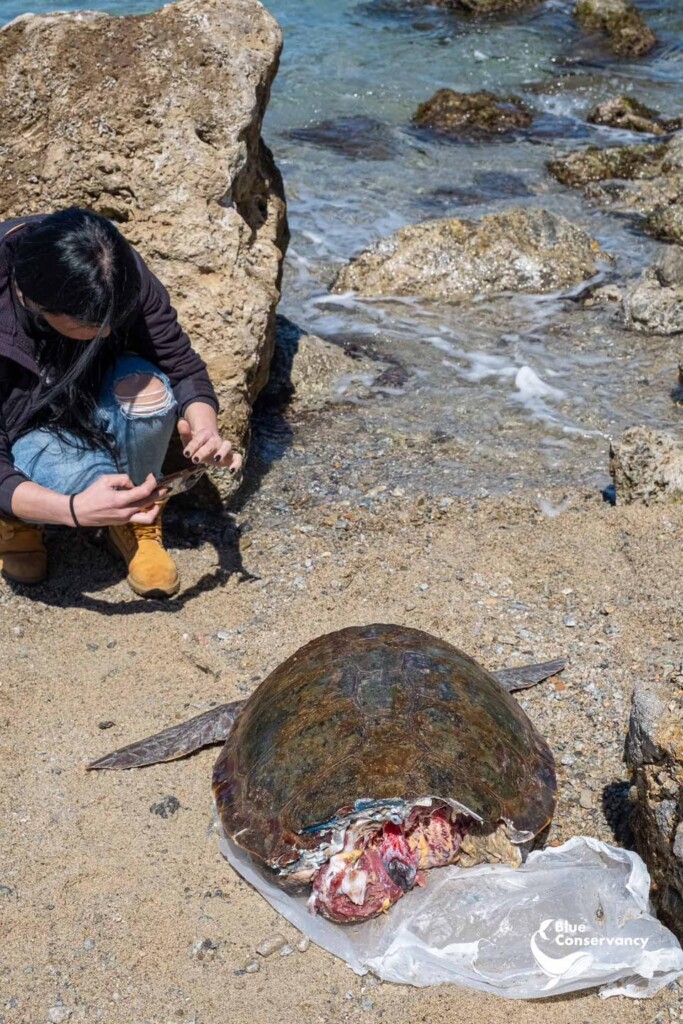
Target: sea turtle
x,y
370,755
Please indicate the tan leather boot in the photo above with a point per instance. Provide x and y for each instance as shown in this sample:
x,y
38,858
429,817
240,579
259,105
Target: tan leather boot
x,y
23,557
151,570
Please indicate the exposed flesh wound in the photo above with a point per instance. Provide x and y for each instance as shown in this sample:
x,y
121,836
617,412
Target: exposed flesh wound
x,y
375,869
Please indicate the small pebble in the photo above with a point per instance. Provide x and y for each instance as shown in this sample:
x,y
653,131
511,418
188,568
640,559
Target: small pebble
x,y
89,944
205,950
108,724
271,944
252,966
18,631
58,1014
167,807
367,1003
569,620
286,950
303,943
586,799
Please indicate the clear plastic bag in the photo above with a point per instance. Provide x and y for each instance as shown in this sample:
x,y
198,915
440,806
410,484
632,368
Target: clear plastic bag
x,y
572,917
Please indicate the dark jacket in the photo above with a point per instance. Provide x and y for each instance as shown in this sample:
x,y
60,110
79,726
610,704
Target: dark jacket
x,y
155,334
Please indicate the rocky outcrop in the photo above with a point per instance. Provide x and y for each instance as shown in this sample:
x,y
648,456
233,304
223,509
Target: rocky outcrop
x,y
306,369
472,114
665,221
454,260
654,751
620,22
655,303
630,114
646,466
595,164
155,122
642,179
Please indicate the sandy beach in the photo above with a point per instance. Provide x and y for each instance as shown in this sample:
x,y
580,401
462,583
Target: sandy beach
x,y
104,898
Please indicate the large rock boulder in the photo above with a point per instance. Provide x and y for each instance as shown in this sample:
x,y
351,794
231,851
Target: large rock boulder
x,y
646,466
620,22
454,260
655,303
155,122
654,750
472,114
629,114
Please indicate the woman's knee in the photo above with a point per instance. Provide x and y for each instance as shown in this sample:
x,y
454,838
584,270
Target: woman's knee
x,y
143,393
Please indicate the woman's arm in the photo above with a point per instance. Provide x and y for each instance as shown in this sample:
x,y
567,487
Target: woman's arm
x,y
40,505
110,501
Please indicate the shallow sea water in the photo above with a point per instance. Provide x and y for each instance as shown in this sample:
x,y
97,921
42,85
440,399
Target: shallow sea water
x,y
511,393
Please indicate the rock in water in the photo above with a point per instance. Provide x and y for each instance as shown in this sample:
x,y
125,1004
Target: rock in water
x,y
595,164
651,182
646,465
655,303
357,137
454,260
620,21
488,6
155,122
630,114
472,114
654,750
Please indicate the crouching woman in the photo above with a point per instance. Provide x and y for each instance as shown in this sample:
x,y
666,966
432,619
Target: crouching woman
x,y
95,373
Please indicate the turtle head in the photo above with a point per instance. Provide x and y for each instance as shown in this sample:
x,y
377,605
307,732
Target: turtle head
x,y
367,877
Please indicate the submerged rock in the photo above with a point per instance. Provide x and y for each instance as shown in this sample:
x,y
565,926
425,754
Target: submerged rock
x,y
654,750
453,260
655,303
646,466
487,6
155,122
355,137
620,22
472,114
632,115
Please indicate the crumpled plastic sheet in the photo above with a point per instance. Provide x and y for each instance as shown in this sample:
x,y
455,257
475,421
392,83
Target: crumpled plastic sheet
x,y
571,917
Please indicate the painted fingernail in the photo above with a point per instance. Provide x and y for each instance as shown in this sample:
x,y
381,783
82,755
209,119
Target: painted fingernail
x,y
216,458
233,470
196,458
187,454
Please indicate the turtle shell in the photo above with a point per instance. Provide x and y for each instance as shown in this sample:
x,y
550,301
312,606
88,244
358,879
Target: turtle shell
x,y
376,712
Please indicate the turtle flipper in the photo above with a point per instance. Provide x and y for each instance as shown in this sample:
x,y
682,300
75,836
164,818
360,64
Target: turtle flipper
x,y
512,679
178,741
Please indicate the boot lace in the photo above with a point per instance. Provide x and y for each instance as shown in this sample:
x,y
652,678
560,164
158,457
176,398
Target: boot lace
x,y
147,531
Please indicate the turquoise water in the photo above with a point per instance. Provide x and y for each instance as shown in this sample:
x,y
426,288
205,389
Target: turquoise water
x,y
377,60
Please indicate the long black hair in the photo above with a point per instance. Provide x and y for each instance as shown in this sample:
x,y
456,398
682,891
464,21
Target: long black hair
x,y
75,263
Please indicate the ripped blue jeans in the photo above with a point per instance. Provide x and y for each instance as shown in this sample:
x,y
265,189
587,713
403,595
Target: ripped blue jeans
x,y
142,438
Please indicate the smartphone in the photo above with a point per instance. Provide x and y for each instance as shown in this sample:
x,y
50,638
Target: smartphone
x,y
178,483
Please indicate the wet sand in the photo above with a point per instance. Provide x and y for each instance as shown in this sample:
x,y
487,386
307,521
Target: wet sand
x,y
103,899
